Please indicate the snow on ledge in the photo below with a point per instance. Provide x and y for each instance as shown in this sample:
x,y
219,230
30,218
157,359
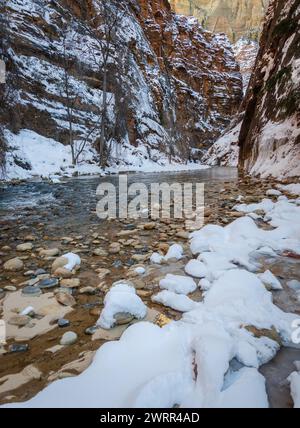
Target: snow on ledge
x,y
32,155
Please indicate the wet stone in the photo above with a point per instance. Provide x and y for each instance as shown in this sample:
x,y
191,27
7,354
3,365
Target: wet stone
x,y
122,318
130,227
31,290
65,290
19,320
48,283
40,272
62,322
2,293
91,330
91,305
18,347
117,264
69,338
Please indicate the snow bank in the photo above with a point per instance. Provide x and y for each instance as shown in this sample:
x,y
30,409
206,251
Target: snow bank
x,y
293,189
225,151
294,380
32,155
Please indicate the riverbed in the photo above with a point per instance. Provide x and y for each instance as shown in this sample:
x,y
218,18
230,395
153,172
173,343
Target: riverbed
x,y
63,216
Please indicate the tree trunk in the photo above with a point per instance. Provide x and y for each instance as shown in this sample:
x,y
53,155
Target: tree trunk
x,y
103,122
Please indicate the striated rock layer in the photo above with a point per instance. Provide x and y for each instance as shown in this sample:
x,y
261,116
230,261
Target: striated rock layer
x,y
172,85
236,18
270,134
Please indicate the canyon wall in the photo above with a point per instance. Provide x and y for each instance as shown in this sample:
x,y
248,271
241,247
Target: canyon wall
x,y
270,133
236,18
172,86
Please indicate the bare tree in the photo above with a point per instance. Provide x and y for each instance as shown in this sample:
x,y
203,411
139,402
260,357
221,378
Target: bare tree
x,y
103,29
69,91
170,110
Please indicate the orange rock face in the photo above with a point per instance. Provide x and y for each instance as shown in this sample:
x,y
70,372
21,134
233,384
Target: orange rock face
x,y
236,18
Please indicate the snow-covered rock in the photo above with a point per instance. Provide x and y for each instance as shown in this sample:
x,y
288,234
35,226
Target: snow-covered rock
x,y
121,298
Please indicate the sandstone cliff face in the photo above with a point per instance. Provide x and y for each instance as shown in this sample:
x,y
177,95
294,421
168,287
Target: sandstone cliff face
x,y
173,86
236,18
270,134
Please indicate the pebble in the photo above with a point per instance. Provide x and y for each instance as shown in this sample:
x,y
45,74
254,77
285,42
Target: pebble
x,y
62,322
87,290
114,248
144,293
32,291
65,299
18,347
19,320
138,284
65,290
2,293
91,330
70,283
29,273
102,272
40,272
140,270
95,312
48,283
100,252
50,252
182,234
28,246
59,262
117,264
13,265
130,227
149,226
11,288
69,338
122,318
30,238
63,273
